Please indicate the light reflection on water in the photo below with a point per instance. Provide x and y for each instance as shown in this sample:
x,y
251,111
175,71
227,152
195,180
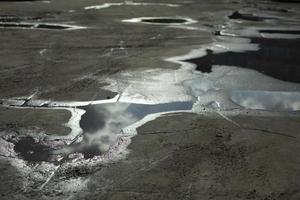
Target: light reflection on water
x,y
103,124
267,100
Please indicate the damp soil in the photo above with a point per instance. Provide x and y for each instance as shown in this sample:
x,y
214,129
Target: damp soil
x,y
164,21
278,58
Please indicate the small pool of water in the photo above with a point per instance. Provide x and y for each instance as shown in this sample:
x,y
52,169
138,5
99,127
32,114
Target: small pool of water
x,y
161,20
103,124
32,151
164,20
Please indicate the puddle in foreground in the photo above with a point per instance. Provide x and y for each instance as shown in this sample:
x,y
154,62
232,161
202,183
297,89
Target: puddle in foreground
x,y
103,124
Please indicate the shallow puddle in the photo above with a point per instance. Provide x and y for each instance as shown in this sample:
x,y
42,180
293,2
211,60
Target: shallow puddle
x,y
267,100
278,58
31,150
102,124
161,20
164,21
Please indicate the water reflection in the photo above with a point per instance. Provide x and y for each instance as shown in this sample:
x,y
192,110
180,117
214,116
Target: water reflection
x,y
267,100
277,58
103,124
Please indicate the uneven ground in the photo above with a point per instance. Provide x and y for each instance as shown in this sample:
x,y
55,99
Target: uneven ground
x,y
249,155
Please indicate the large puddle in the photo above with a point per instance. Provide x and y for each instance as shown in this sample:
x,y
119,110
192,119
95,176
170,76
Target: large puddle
x,y
102,124
278,58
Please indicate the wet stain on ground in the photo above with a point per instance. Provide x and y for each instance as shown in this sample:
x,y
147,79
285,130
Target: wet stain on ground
x,y
278,58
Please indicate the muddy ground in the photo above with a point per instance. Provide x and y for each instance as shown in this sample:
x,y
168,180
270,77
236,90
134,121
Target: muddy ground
x,y
209,154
